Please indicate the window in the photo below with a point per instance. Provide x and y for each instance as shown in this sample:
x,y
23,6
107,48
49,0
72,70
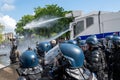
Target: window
x,y
79,27
89,21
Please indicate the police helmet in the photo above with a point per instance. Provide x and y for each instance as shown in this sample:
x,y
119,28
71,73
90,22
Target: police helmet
x,y
44,46
82,43
108,37
72,42
92,40
73,53
78,39
94,36
115,34
116,40
29,59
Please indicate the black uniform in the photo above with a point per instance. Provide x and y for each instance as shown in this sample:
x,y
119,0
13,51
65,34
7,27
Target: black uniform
x,y
64,72
116,64
116,57
95,62
13,55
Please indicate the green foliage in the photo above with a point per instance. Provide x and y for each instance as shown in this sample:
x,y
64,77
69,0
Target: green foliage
x,y
22,22
49,11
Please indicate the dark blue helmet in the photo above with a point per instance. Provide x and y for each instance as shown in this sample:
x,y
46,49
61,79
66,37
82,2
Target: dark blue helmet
x,y
73,53
92,40
82,43
44,46
108,37
94,36
78,39
116,40
72,42
116,34
29,59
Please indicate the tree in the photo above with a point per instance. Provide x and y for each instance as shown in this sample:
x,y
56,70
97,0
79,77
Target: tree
x,y
50,11
22,22
47,12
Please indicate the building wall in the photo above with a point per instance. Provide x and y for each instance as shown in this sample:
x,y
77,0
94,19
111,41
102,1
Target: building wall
x,y
8,36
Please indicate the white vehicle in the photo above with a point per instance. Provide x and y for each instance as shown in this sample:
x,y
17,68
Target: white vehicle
x,y
98,23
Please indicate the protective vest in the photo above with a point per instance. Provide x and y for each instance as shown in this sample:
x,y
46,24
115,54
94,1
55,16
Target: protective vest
x,y
95,60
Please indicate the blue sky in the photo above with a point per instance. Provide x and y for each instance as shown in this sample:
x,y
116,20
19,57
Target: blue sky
x,y
15,9
22,7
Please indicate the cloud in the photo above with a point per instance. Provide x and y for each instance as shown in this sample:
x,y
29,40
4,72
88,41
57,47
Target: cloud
x,y
8,22
8,1
7,7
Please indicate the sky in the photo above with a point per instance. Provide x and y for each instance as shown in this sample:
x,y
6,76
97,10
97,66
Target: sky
x,y
11,11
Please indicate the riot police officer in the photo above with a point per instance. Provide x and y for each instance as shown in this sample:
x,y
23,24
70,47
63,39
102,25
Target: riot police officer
x,y
116,57
78,39
109,55
29,66
14,53
108,41
83,45
95,57
43,47
69,63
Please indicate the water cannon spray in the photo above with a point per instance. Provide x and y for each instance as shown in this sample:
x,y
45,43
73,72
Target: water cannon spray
x,y
40,23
